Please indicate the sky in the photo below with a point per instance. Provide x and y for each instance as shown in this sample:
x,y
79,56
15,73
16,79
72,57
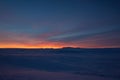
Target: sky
x,y
59,23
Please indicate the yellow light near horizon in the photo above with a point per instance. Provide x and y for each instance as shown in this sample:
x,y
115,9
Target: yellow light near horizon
x,y
29,46
52,45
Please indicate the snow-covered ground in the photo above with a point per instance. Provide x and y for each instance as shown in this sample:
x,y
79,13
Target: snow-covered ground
x,y
63,64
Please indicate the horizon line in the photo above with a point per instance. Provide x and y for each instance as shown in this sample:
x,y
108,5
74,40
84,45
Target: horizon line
x,y
68,47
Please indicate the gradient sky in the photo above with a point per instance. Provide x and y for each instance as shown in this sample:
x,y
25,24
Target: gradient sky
x,y
59,23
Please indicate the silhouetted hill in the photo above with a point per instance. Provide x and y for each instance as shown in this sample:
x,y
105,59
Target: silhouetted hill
x,y
61,50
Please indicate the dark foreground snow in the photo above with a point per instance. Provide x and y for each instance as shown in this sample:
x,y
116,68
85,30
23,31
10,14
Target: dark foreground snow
x,y
61,64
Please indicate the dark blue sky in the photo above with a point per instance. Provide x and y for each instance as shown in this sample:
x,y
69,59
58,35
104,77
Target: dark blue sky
x,y
59,23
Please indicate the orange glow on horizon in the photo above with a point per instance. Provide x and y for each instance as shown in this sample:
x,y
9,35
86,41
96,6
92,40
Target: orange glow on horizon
x,y
43,45
28,46
52,45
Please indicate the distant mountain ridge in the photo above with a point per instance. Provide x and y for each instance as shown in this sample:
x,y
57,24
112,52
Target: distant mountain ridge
x,y
60,50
